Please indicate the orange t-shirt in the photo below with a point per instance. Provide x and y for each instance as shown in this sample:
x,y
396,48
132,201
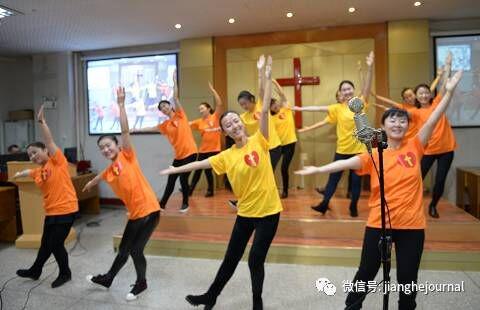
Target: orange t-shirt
x,y
179,134
442,139
403,186
128,182
414,124
59,197
210,131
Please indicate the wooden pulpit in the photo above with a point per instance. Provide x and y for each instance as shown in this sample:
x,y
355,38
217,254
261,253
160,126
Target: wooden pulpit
x,y
31,206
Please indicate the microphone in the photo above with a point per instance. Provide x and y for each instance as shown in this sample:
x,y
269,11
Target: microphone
x,y
364,133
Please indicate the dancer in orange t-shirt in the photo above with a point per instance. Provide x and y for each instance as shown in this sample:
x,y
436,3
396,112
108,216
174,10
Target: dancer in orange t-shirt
x,y
209,127
59,201
403,193
179,134
126,179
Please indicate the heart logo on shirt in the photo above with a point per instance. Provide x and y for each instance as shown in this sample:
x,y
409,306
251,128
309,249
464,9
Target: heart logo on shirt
x,y
175,123
117,168
256,116
45,174
210,123
252,159
407,160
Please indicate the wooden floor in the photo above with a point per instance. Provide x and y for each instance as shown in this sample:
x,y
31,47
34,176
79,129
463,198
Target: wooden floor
x,y
307,237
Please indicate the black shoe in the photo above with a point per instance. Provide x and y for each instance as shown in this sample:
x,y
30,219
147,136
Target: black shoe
x,y
28,273
320,190
184,208
321,207
284,195
102,279
137,288
209,194
61,280
257,303
353,211
233,204
432,211
197,300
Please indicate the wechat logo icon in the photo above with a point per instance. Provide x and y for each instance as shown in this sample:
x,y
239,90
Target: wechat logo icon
x,y
324,285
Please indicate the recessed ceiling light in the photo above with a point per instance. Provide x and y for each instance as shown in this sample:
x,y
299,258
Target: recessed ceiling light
x,y
351,10
289,14
231,20
417,3
178,26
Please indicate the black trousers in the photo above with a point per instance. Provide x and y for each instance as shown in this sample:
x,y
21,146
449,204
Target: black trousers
x,y
208,173
183,180
334,178
265,229
135,237
275,155
55,231
444,161
288,151
408,249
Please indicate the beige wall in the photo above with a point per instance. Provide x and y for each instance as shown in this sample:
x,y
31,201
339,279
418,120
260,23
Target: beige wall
x,y
331,61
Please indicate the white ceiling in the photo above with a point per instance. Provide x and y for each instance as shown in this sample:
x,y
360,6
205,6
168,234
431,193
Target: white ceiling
x,y
74,25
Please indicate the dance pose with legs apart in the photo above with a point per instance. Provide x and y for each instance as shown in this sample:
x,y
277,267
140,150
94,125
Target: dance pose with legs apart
x,y
347,146
59,201
404,196
247,165
179,134
128,182
282,117
209,127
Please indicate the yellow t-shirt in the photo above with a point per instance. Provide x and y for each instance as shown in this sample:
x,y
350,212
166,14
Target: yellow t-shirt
x,y
340,114
285,126
252,125
250,173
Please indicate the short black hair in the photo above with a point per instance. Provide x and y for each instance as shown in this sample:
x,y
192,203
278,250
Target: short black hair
x,y
208,107
11,147
225,114
345,82
111,137
37,144
423,85
163,101
245,94
395,112
404,90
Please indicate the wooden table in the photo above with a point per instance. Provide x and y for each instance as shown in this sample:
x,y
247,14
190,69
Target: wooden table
x,y
468,186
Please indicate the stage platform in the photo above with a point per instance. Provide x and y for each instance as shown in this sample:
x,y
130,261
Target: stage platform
x,y
307,237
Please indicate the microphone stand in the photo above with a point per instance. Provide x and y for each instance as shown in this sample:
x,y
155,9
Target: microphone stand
x,y
385,243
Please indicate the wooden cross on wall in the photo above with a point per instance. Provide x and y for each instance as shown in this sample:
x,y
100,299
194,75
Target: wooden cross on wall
x,y
298,81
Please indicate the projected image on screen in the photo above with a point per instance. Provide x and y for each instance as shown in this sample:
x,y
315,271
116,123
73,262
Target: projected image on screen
x,y
464,110
147,80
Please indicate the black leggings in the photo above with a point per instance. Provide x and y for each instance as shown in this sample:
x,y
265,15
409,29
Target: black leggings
x,y
135,237
183,180
334,178
208,173
265,229
53,240
275,155
288,151
408,249
444,161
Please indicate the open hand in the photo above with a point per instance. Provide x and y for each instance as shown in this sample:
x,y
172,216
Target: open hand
x,y
268,68
370,59
453,81
169,170
120,95
41,114
261,62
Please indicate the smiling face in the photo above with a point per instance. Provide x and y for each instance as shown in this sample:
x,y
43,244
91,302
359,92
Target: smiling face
x,y
274,106
347,91
395,126
37,155
423,96
233,126
408,96
109,148
246,104
165,108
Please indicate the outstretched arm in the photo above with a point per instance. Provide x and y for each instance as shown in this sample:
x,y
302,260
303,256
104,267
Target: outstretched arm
x,y
22,174
312,108
353,163
426,131
387,101
219,108
261,76
314,126
126,143
153,129
93,182
368,78
196,165
266,98
47,135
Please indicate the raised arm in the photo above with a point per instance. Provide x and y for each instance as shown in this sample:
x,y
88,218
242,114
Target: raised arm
x,y
175,91
219,108
126,144
368,78
312,108
314,126
426,131
437,79
261,75
196,165
387,101
280,92
93,182
153,129
46,134
266,99
446,73
353,163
